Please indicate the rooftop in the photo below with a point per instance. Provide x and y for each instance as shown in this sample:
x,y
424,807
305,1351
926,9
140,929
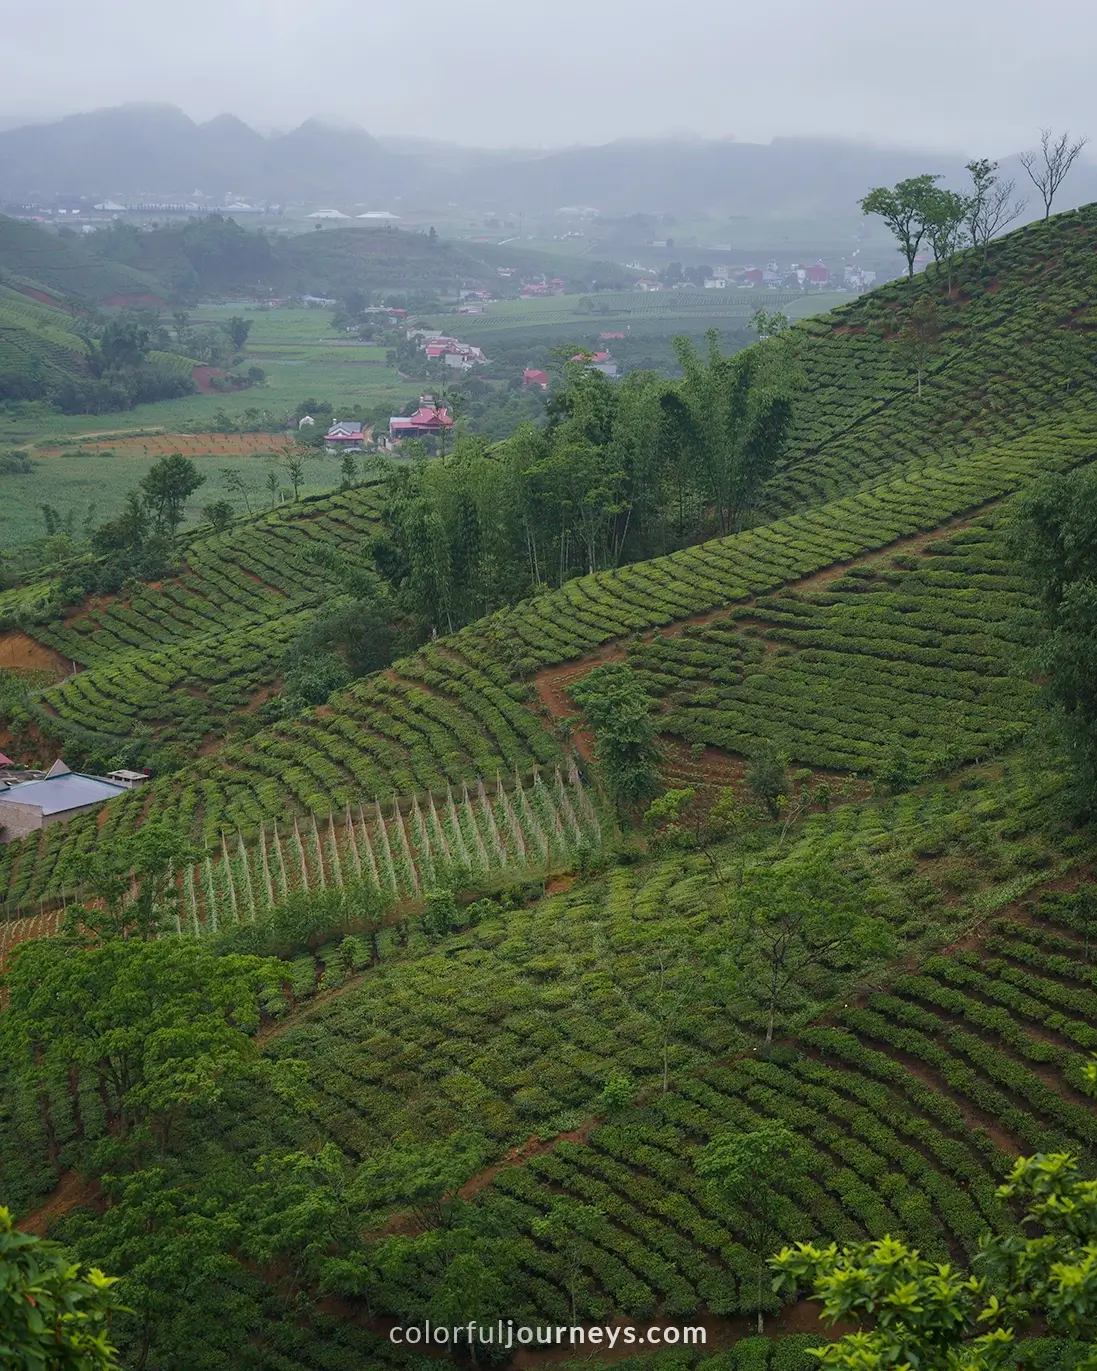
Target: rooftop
x,y
55,794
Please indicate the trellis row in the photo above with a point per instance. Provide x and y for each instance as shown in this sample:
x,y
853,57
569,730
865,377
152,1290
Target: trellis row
x,y
403,848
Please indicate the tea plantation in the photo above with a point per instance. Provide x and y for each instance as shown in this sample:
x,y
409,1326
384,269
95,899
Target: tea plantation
x,y
500,1017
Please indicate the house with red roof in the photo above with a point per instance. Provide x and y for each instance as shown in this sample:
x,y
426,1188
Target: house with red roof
x,y
344,434
534,376
428,419
818,275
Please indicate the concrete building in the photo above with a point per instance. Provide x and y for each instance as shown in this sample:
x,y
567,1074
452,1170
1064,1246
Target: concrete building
x,y
61,793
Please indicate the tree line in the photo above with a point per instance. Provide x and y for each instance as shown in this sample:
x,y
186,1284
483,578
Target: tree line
x,y
918,210
621,472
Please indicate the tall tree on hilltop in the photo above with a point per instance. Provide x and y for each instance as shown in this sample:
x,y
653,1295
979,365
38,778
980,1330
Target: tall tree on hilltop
x,y
1047,166
907,208
991,206
947,226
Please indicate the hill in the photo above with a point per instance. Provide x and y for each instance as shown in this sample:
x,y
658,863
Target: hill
x,y
66,266
503,1023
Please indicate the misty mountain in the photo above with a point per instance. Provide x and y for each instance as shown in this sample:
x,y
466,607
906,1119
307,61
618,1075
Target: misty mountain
x,y
158,152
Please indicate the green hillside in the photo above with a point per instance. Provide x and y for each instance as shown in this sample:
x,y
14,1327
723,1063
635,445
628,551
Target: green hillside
x,y
38,349
67,265
505,1018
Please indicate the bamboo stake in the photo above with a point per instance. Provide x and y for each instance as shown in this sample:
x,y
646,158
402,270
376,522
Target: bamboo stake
x,y
405,846
281,864
386,846
336,864
470,813
369,849
352,838
319,853
211,897
226,867
267,883
247,873
493,828
191,897
463,854
304,871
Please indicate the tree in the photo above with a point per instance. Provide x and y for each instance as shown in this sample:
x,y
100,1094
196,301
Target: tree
x,y
991,206
238,330
156,1028
744,1168
167,486
907,209
1054,537
936,1317
134,878
348,471
1048,166
274,485
919,335
55,1314
295,470
767,777
946,229
219,514
567,1227
729,415
801,920
769,324
233,481
618,710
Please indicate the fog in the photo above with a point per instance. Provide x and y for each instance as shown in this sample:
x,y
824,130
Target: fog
x,y
963,75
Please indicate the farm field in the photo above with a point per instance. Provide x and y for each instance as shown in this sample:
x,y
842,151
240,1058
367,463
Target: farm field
x,y
295,349
658,310
91,482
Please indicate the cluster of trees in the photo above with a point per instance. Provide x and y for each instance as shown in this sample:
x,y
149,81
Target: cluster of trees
x,y
918,210
620,472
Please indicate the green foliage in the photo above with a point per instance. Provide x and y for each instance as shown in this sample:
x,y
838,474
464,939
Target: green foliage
x,y
767,776
619,713
167,487
1054,534
908,209
925,1314
54,1314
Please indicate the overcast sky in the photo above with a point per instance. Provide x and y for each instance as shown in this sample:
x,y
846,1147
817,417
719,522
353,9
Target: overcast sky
x,y
977,76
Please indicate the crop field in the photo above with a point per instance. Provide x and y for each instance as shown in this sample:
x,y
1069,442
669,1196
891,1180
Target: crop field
x,y
125,444
445,717
296,348
184,655
911,652
645,309
997,1044
91,483
401,850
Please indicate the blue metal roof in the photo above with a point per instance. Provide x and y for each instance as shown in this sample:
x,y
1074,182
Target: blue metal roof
x,y
55,794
